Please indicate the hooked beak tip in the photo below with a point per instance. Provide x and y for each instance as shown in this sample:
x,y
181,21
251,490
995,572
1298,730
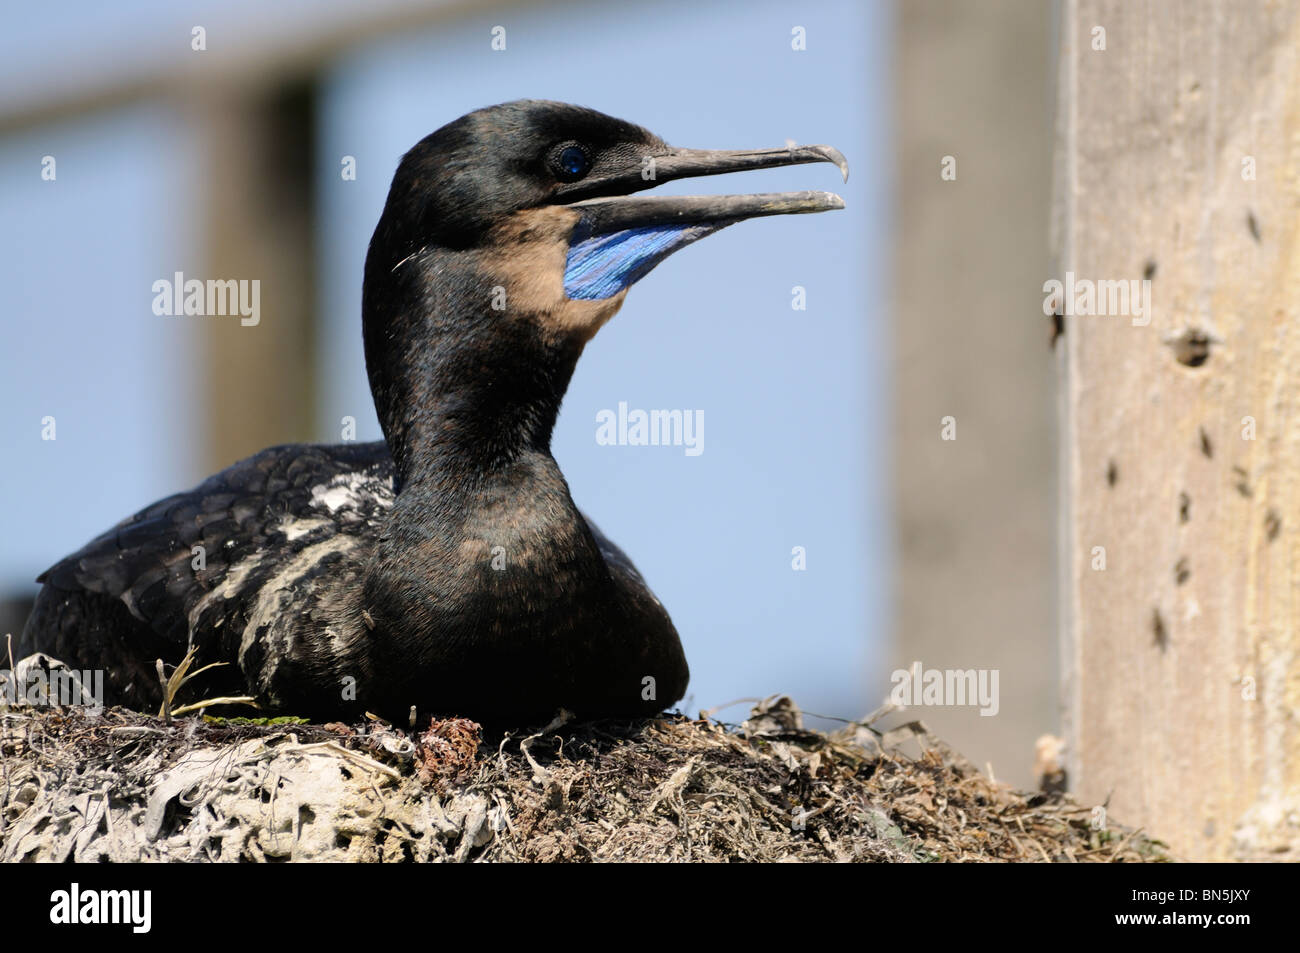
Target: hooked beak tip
x,y
833,156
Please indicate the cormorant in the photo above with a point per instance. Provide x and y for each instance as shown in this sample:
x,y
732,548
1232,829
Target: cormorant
x,y
445,567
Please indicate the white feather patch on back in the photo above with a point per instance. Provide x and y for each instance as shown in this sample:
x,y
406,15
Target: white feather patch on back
x,y
355,491
279,590
297,528
230,586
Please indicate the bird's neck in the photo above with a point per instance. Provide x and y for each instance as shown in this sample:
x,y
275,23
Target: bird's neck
x,y
462,389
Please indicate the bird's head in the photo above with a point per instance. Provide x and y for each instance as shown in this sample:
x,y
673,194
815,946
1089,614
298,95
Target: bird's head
x,y
539,198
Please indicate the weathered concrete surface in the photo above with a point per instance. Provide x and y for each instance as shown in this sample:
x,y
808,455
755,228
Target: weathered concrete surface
x,y
1180,162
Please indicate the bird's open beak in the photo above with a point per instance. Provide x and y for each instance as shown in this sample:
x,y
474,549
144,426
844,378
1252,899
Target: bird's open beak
x,y
619,237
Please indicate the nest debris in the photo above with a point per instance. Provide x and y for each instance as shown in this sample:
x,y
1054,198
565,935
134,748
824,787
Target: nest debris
x,y
122,786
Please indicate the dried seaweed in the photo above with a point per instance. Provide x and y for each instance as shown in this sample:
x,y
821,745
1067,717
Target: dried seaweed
x,y
123,786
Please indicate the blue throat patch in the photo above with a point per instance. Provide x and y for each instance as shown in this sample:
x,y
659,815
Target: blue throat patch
x,y
601,266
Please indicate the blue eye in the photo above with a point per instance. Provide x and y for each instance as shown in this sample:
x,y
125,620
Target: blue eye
x,y
572,162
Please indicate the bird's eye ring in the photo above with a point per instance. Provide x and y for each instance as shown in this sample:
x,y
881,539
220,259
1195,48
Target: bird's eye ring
x,y
571,162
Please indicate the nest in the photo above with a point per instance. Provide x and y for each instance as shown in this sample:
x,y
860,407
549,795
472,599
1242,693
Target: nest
x,y
121,786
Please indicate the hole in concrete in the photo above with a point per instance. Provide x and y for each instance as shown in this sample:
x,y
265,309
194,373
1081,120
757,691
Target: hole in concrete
x,y
1160,635
1272,524
1191,347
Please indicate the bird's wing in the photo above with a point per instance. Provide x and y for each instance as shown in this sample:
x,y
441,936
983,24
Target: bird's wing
x,y
223,538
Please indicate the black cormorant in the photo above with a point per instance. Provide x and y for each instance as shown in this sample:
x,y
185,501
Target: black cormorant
x,y
445,567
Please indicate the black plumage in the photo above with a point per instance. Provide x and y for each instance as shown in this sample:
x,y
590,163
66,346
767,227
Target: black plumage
x,y
446,567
